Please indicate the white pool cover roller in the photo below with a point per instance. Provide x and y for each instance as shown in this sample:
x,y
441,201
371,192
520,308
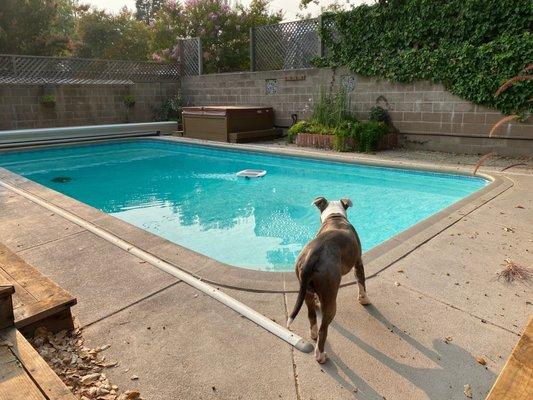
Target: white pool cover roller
x,y
20,137
211,291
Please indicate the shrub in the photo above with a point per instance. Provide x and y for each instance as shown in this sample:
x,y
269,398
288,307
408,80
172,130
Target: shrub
x,y
369,136
299,127
169,110
379,114
346,136
48,100
129,101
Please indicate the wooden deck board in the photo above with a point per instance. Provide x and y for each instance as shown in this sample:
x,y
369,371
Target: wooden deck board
x,y
37,298
515,382
38,373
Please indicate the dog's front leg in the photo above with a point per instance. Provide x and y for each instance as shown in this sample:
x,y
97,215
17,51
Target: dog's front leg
x,y
360,276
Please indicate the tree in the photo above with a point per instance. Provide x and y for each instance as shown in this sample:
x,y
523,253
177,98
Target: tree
x,y
109,36
37,27
147,9
224,31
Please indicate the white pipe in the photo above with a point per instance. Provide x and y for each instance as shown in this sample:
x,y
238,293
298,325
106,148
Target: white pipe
x,y
211,291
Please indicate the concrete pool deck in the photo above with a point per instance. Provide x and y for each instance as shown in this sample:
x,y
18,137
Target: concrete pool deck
x,y
184,345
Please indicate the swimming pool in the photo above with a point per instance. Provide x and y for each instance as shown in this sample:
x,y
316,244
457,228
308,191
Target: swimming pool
x,y
190,195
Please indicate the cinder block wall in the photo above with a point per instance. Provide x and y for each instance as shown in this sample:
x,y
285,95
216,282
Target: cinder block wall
x,y
428,116
20,106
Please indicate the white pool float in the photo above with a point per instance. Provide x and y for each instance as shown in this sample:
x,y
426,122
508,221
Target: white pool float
x,y
252,173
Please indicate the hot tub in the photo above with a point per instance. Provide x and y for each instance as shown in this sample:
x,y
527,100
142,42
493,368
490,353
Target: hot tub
x,y
235,124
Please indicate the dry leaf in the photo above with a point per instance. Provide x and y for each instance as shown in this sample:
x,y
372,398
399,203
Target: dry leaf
x,y
468,391
481,360
448,339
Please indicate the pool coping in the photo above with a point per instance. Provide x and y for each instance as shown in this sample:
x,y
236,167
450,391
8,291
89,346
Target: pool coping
x,y
223,275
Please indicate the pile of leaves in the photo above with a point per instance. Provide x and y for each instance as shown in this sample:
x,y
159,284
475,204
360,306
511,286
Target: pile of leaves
x,y
469,46
81,368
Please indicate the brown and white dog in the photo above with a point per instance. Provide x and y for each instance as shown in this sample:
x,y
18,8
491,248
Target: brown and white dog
x,y
334,251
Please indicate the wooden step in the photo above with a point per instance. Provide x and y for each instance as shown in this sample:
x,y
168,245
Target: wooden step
x,y
7,318
515,382
37,300
24,375
255,136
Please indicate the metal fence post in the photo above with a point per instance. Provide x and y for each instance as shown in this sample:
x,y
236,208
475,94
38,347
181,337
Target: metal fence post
x,y
252,49
320,37
182,57
200,57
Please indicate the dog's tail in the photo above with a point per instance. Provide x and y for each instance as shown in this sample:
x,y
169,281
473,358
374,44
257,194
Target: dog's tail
x,y
305,277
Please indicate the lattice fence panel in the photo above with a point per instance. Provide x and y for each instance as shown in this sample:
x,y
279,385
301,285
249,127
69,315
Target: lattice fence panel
x,y
191,56
54,70
289,45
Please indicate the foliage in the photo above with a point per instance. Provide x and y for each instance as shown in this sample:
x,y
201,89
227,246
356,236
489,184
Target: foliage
x,y
224,30
48,100
359,136
36,27
129,101
378,113
146,9
331,109
470,46
109,36
169,110
299,127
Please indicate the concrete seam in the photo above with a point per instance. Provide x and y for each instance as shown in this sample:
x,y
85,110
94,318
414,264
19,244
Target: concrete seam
x,y
149,295
484,320
50,241
294,366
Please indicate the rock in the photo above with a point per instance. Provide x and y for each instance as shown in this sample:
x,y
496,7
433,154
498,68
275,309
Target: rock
x,y
129,395
468,391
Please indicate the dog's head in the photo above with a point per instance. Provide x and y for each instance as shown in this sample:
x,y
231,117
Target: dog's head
x,y
328,208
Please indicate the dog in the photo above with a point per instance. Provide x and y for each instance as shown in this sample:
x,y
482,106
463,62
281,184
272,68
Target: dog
x,y
334,251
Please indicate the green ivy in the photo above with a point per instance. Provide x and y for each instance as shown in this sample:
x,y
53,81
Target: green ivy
x,y
470,46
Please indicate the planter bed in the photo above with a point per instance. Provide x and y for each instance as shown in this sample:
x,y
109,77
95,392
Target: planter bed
x,y
318,141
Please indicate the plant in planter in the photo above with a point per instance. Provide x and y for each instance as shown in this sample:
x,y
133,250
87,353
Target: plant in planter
x,y
48,100
370,135
169,110
129,101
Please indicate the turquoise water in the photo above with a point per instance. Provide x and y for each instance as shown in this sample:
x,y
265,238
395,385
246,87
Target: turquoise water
x,y
190,195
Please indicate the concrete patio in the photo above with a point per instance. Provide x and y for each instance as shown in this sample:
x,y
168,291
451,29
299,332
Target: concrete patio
x,y
184,345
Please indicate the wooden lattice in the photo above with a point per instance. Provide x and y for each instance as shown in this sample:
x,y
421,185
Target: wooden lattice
x,y
190,56
288,45
55,70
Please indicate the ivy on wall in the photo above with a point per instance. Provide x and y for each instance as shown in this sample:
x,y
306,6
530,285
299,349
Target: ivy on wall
x,y
470,46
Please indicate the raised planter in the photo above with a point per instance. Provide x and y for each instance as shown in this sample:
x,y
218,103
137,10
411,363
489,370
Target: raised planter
x,y
318,141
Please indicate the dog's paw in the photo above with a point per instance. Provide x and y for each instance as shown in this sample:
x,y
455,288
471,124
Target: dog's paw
x,y
364,300
313,332
320,357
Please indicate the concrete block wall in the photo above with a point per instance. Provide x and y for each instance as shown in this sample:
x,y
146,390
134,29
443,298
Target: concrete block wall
x,y
20,106
426,114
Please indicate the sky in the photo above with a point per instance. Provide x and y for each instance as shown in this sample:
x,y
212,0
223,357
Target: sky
x,y
289,7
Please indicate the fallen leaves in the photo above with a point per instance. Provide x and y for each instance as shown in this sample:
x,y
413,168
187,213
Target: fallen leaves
x,y
481,360
513,271
79,367
448,339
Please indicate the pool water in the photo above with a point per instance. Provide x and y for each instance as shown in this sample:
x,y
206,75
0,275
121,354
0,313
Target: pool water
x,y
190,195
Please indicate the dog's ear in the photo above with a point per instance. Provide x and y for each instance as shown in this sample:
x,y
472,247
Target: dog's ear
x,y
321,203
346,203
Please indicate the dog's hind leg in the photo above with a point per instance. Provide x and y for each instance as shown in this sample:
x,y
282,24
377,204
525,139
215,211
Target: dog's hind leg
x,y
311,313
360,275
329,308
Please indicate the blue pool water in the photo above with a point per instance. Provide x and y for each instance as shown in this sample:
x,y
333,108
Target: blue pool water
x,y
190,195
